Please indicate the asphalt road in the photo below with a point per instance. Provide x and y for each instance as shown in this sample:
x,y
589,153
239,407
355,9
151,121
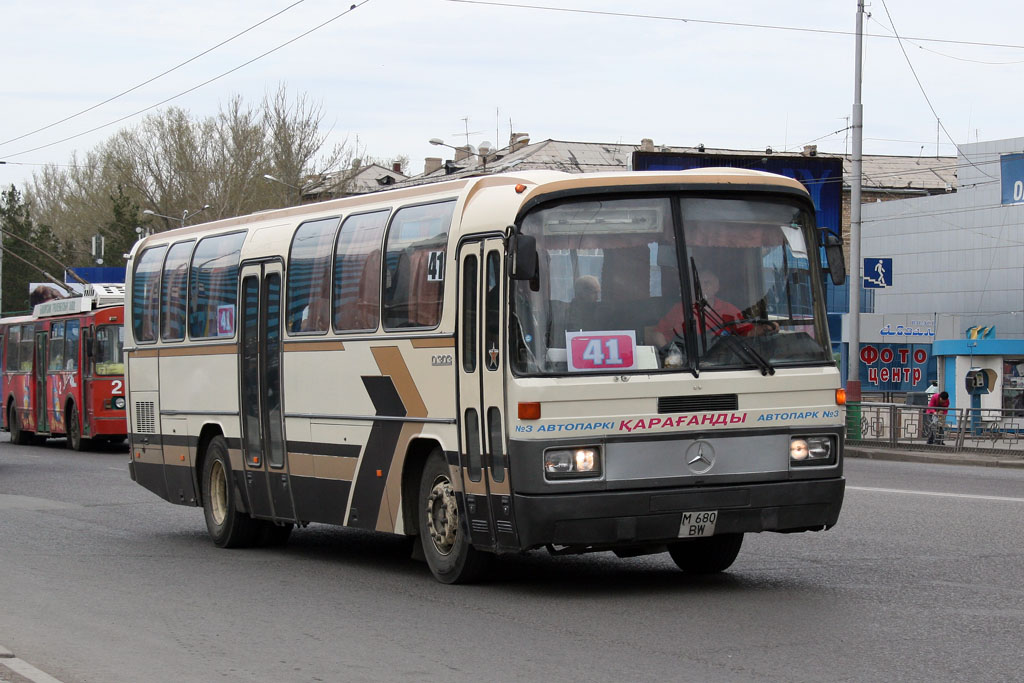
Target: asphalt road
x,y
101,581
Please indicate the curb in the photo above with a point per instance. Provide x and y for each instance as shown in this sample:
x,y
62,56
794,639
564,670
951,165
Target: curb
x,y
971,459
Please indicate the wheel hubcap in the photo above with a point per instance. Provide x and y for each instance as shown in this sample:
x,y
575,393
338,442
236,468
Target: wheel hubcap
x,y
218,493
442,515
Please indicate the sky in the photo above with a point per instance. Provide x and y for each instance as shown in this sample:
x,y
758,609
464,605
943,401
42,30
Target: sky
x,y
393,74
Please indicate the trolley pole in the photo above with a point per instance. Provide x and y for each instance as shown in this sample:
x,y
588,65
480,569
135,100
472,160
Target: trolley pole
x,y
853,376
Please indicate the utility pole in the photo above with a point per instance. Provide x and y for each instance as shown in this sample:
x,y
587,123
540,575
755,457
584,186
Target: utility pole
x,y
853,392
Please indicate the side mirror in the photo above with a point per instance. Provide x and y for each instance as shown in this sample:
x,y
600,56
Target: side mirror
x,y
834,257
524,254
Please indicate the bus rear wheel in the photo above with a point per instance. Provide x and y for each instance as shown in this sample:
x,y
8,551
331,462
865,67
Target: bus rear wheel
x,y
706,555
18,435
443,537
228,527
75,440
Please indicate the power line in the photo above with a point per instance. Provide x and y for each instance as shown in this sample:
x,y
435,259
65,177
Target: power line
x,y
147,82
196,87
687,20
942,54
938,120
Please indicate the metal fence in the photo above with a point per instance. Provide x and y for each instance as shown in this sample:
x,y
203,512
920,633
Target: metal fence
x,y
909,426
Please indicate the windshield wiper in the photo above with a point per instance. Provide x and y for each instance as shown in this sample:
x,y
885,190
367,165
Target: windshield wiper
x,y
751,354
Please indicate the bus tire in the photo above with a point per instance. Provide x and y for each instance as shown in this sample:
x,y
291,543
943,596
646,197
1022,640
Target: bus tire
x,y
706,555
443,537
18,435
75,440
228,527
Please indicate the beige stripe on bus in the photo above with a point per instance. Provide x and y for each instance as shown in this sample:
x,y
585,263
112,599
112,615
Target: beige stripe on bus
x,y
178,351
446,343
297,347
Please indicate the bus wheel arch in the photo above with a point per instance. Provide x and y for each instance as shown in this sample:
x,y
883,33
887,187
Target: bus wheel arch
x,y
229,526
445,541
18,435
73,427
205,436
412,469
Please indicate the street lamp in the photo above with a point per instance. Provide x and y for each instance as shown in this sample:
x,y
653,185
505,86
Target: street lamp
x,y
278,180
485,148
185,215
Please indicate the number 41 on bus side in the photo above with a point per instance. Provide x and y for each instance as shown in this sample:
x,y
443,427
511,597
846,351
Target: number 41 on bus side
x,y
698,524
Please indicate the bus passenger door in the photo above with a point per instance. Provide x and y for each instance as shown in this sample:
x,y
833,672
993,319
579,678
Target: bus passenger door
x,y
42,360
480,390
263,443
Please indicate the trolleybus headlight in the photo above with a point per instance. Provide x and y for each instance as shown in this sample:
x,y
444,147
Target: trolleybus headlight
x,y
811,450
572,462
119,402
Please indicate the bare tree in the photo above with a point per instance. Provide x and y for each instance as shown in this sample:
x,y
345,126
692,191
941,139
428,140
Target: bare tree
x,y
171,163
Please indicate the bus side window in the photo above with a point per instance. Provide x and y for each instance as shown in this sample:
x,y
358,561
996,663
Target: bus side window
x,y
172,292
71,335
56,346
309,276
146,294
357,272
213,286
415,259
13,345
27,349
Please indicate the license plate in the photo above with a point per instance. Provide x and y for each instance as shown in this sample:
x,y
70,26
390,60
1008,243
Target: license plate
x,y
698,524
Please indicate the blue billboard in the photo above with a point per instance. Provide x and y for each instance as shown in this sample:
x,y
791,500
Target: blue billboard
x,y
822,176
1011,171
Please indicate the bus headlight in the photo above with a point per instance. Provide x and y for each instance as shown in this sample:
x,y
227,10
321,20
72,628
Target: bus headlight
x,y
812,450
568,463
119,402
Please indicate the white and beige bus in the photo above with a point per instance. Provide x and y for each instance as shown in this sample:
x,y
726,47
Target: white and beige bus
x,y
628,362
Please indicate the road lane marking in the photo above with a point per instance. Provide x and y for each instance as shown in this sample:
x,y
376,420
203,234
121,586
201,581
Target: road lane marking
x,y
935,493
27,671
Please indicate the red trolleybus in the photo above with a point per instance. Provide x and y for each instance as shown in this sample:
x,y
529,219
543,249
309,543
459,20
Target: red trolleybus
x,y
63,373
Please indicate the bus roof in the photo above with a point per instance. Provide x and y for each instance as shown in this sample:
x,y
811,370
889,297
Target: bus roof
x,y
536,182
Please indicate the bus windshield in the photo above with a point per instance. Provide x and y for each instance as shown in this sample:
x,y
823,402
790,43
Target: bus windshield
x,y
669,284
109,357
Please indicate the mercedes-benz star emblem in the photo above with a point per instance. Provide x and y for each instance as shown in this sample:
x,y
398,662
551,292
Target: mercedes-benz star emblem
x,y
700,457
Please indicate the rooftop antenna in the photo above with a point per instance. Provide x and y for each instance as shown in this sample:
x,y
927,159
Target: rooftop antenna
x,y
468,132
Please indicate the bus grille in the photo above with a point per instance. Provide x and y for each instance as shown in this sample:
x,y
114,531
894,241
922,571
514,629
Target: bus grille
x,y
695,404
145,417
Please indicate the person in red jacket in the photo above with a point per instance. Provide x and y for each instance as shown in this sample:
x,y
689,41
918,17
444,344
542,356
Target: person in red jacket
x,y
938,405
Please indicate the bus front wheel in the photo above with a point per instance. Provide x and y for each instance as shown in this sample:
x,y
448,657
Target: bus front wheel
x,y
445,544
228,527
706,555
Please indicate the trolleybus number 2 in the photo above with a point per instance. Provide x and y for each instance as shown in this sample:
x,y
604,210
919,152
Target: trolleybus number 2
x,y
117,387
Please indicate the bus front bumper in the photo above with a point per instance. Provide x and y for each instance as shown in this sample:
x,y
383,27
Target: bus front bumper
x,y
623,518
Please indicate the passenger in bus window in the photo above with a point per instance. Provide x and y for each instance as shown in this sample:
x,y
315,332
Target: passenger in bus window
x,y
582,310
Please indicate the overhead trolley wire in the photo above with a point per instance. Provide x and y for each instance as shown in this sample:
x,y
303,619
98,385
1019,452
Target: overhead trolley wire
x,y
150,80
688,20
353,7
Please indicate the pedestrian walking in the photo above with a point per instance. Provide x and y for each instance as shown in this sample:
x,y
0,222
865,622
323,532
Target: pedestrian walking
x,y
938,406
